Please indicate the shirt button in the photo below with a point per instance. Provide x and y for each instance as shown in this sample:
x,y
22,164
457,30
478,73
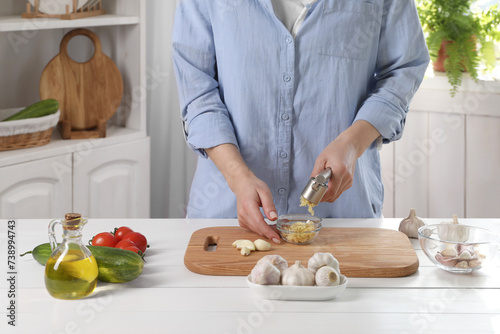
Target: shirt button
x,y
288,40
281,191
308,6
283,155
284,116
287,78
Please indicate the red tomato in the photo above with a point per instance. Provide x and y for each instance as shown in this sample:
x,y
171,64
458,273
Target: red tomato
x,y
133,249
138,239
121,232
125,243
104,239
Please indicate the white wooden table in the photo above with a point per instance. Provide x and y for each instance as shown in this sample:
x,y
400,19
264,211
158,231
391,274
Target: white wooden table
x,y
168,298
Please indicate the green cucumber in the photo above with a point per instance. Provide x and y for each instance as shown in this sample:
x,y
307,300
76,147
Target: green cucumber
x,y
115,265
39,109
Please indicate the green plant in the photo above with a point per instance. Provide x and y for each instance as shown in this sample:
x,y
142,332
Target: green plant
x,y
469,34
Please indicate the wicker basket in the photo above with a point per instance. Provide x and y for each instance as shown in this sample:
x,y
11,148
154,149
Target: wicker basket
x,y
27,133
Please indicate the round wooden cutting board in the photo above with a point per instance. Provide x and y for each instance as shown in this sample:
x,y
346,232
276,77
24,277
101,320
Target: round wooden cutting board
x,y
88,93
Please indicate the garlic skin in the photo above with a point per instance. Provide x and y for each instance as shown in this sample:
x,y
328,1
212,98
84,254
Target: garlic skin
x,y
449,231
411,224
297,275
327,276
319,260
275,260
265,273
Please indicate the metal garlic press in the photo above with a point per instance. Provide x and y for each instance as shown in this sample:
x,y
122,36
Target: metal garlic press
x,y
317,186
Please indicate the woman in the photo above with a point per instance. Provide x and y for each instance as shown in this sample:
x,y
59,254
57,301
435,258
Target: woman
x,y
275,91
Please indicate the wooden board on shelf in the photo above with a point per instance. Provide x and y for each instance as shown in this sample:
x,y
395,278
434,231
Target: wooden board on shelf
x,y
361,252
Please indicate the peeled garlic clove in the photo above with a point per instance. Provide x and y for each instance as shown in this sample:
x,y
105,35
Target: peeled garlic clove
x,y
474,263
234,244
465,255
246,243
275,260
262,245
462,264
245,251
327,276
297,274
449,251
319,260
411,224
265,273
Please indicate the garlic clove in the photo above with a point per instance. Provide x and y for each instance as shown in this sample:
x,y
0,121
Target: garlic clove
x,y
265,273
246,243
320,259
462,264
275,260
297,275
474,263
449,251
234,244
245,251
262,245
446,260
327,276
411,224
465,255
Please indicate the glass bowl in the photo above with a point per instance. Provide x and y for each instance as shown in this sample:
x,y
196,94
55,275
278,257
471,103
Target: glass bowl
x,y
299,229
458,248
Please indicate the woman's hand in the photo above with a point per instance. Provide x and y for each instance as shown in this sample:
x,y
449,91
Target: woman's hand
x,y
341,156
251,192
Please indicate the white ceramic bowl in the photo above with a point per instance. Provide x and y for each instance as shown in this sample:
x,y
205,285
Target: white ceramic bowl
x,y
289,292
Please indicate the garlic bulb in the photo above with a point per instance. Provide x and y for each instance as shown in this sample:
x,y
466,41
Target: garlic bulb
x,y
411,224
453,231
265,273
327,276
297,274
319,260
276,261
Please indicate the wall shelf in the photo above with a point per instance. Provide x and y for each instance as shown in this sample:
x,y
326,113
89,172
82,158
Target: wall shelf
x,y
16,23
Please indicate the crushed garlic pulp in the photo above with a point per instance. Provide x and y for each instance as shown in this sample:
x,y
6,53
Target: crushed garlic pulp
x,y
310,205
299,232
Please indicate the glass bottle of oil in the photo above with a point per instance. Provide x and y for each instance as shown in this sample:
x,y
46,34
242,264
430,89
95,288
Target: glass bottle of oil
x,y
71,271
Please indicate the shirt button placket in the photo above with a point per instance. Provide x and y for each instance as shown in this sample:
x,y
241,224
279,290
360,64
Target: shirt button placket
x,y
285,114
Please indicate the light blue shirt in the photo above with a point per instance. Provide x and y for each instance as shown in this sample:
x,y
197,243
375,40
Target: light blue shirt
x,y
243,79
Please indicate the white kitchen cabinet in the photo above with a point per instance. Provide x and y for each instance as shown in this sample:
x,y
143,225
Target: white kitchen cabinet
x,y
113,181
39,188
105,177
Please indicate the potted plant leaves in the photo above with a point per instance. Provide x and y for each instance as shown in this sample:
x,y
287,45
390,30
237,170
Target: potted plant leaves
x,y
460,37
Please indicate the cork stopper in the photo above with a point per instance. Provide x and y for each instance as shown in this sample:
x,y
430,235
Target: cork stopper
x,y
72,221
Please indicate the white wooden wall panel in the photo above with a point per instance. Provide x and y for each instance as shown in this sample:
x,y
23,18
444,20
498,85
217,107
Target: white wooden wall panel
x,y
483,167
411,167
38,189
113,181
445,145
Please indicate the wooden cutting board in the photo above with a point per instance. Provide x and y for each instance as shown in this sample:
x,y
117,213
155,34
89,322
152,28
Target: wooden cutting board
x,y
88,93
361,252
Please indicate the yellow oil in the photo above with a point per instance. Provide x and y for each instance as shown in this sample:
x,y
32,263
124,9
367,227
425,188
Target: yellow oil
x,y
73,276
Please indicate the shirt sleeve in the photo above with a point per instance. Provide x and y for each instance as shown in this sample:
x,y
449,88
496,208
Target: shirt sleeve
x,y
204,116
402,60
